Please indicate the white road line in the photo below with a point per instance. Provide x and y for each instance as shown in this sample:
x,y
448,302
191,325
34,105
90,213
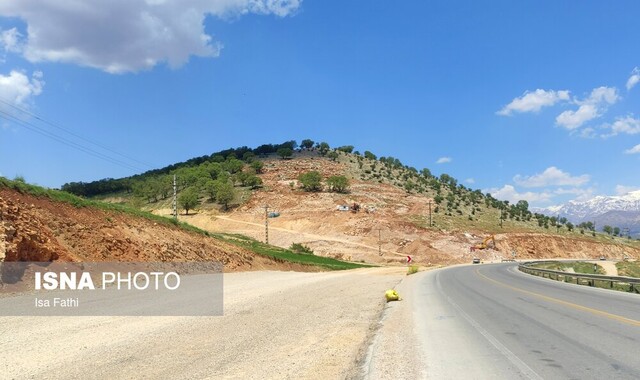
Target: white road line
x,y
515,360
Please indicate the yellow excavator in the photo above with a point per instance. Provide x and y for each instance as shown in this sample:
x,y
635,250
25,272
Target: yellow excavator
x,y
485,243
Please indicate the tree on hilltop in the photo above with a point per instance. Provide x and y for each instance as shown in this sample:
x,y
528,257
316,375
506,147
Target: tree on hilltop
x,y
323,148
285,153
333,155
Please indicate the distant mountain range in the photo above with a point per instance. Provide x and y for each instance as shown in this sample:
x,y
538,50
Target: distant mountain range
x,y
617,211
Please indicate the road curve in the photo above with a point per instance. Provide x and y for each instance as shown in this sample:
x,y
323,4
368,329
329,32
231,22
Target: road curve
x,y
494,322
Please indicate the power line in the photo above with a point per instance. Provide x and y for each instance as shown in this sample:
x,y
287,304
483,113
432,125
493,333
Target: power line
x,y
64,141
57,126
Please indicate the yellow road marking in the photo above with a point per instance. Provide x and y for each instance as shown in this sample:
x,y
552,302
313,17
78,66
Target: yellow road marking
x,y
601,313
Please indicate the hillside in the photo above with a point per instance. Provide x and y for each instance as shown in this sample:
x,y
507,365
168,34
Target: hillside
x,y
38,228
399,218
394,210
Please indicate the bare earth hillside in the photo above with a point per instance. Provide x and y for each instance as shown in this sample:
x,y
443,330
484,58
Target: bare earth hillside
x,y
39,229
389,215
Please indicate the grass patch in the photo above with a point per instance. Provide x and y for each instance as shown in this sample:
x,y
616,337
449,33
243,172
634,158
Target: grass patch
x,y
288,255
577,266
628,269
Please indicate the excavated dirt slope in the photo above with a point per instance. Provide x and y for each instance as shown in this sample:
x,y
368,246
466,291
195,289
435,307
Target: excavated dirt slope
x,y
39,229
388,215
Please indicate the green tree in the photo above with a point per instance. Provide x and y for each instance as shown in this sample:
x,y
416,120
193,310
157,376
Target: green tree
x,y
253,181
346,148
225,193
188,199
285,152
338,183
306,144
426,173
616,231
569,226
323,148
212,189
409,186
257,166
232,165
369,155
248,157
607,229
333,155
311,181
522,206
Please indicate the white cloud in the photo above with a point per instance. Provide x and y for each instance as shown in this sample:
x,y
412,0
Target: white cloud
x,y
470,181
552,176
534,101
509,193
634,78
627,124
579,194
18,89
127,35
11,40
574,119
634,150
622,190
590,108
443,160
601,95
588,133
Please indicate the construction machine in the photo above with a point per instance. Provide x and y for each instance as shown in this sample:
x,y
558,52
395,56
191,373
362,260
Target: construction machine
x,y
489,240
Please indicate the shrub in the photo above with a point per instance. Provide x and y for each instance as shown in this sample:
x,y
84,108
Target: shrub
x,y
311,181
301,248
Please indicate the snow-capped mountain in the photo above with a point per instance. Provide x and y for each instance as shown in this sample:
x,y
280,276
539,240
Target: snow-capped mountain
x,y
618,211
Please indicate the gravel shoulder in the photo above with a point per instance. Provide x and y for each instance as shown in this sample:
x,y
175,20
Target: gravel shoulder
x,y
276,325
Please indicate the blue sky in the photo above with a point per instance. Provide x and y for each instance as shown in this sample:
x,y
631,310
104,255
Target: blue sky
x,y
528,100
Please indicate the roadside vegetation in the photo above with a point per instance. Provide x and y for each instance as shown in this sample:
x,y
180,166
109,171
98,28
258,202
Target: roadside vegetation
x,y
628,268
302,255
576,266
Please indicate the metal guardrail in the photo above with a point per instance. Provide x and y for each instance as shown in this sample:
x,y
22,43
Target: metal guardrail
x,y
580,278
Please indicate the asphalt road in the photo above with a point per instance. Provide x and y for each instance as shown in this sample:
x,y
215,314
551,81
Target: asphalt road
x,y
494,322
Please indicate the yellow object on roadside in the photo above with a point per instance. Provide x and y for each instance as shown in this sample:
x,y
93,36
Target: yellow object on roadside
x,y
392,295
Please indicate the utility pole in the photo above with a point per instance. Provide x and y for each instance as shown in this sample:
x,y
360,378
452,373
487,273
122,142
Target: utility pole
x,y
430,223
175,199
266,224
379,242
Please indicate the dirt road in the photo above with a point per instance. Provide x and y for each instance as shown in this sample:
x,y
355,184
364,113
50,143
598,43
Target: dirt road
x,y
276,325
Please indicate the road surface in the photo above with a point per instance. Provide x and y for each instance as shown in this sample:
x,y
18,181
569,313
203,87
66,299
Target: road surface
x,y
494,322
276,325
